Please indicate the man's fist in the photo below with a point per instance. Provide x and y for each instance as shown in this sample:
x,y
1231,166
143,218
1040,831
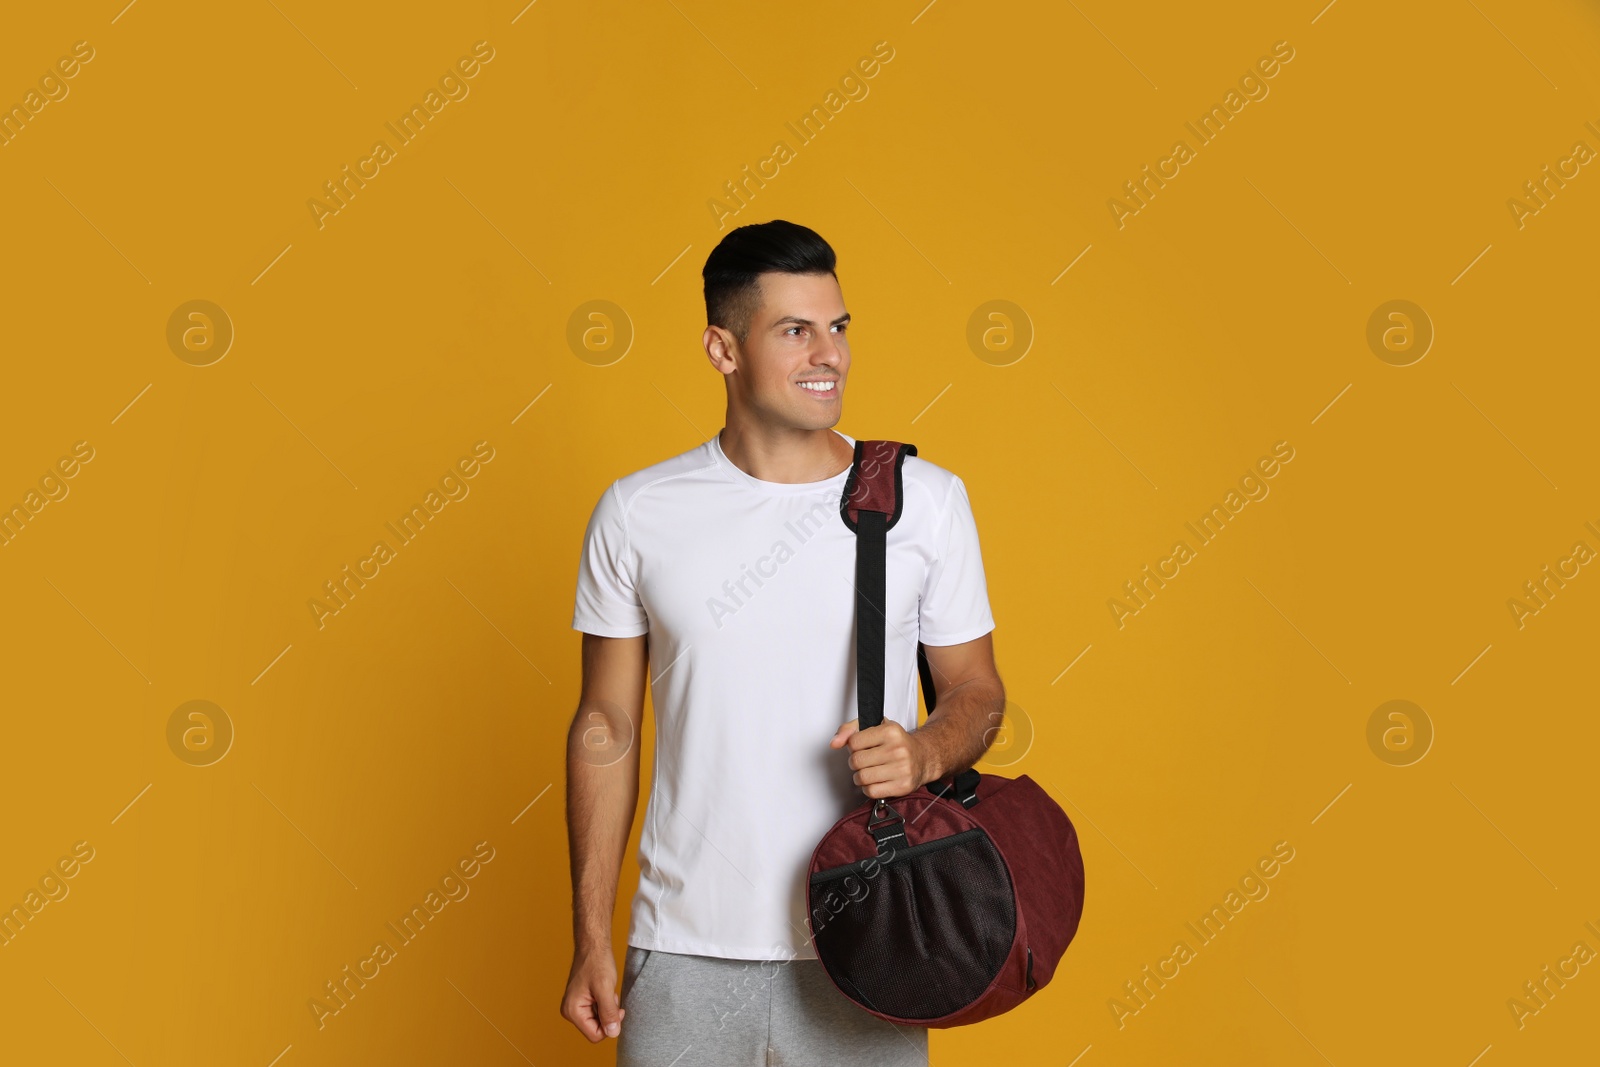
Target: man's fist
x,y
888,761
590,1002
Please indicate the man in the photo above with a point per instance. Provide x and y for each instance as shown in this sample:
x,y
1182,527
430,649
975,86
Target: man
x,y
725,576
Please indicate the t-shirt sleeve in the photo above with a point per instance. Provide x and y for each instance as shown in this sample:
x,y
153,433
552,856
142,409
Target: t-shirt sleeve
x,y
607,602
955,596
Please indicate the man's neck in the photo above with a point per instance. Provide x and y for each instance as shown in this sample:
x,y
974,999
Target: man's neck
x,y
786,455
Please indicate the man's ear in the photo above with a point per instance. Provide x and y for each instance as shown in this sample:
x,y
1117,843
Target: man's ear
x,y
722,350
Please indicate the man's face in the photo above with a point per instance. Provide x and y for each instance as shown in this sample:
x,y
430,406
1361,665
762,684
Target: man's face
x,y
797,335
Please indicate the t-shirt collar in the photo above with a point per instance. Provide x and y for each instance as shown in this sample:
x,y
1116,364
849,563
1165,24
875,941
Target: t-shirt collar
x,y
777,488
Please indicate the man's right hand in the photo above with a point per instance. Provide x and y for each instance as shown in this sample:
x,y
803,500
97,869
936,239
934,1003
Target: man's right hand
x,y
591,1002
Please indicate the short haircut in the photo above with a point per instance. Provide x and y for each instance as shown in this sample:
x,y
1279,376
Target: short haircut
x,y
734,267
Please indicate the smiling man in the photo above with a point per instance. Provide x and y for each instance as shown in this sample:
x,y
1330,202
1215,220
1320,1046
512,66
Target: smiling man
x,y
756,753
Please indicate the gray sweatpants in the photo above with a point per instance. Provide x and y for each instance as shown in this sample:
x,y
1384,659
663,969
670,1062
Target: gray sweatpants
x,y
705,1011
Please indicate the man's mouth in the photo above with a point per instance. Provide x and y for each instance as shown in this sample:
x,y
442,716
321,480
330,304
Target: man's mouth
x,y
821,389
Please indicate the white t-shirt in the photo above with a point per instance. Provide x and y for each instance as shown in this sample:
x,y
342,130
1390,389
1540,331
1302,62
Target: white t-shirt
x,y
746,588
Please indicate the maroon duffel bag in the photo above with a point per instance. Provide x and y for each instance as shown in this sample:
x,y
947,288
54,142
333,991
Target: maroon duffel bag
x,y
953,903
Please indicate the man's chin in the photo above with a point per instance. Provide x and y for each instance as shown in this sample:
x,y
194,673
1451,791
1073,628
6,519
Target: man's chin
x,y
807,416
825,417
826,420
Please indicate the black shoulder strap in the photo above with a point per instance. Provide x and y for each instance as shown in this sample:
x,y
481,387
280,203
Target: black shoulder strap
x,y
871,505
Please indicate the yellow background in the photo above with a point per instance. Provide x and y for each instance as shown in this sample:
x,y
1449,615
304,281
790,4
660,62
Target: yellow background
x,y
426,716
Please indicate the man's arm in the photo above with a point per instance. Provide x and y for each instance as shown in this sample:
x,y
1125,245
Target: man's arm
x,y
602,795
969,701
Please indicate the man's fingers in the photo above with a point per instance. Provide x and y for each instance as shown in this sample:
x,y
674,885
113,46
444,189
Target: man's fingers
x,y
877,755
884,732
581,1013
843,734
594,1009
874,775
610,1015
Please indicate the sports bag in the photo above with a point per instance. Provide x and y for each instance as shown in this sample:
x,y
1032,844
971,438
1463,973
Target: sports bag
x,y
955,902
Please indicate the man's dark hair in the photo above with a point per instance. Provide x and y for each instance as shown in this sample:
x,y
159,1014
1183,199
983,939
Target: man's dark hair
x,y
733,291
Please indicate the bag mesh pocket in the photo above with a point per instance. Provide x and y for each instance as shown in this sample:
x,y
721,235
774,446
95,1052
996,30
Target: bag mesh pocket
x,y
921,934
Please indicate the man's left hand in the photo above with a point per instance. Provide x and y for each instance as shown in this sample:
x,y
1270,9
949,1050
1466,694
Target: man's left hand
x,y
888,760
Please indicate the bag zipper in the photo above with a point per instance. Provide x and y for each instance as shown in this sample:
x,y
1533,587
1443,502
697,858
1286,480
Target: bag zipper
x,y
898,854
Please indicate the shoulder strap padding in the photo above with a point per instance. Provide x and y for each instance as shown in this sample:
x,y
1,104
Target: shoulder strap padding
x,y
874,483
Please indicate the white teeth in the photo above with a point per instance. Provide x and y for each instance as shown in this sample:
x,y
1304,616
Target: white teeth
x,y
818,387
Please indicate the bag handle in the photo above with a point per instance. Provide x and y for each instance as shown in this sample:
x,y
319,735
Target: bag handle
x,y
871,504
